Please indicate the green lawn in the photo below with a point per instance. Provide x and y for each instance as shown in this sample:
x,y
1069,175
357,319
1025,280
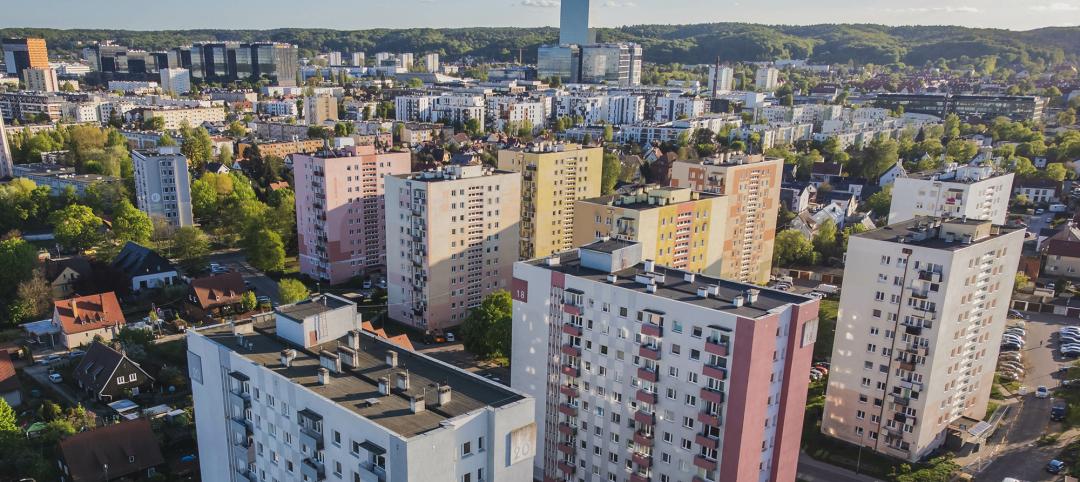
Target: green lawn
x,y
826,329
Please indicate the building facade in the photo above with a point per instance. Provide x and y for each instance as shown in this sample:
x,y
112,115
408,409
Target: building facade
x,y
975,192
41,79
24,53
676,227
340,210
451,239
553,177
766,79
319,109
752,184
290,404
7,164
922,310
176,80
175,118
163,185
658,372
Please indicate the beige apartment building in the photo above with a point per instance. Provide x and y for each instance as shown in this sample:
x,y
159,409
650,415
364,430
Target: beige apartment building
x,y
922,310
41,79
451,239
320,108
752,184
676,226
175,118
553,177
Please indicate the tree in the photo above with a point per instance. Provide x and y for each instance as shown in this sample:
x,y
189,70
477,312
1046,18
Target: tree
x,y
8,423
609,133
878,203
1066,117
825,239
264,248
33,298
198,147
1054,171
130,224
190,245
1021,281
76,227
486,331
792,249
236,129
156,123
609,177
291,291
248,301
952,126
166,141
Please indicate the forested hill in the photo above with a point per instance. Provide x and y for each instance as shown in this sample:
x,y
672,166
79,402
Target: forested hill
x,y
686,44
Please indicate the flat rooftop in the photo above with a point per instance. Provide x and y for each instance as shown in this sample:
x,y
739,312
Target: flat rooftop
x,y
311,307
610,199
923,231
353,388
675,286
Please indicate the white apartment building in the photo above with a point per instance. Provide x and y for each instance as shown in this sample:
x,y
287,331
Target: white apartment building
x,y
279,108
673,107
133,86
454,108
451,239
320,108
502,111
307,396
766,79
41,80
625,109
163,186
431,63
359,59
80,112
922,311
971,191
176,80
646,373
721,81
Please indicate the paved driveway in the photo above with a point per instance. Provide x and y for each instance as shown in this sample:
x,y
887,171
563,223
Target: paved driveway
x,y
263,285
1013,451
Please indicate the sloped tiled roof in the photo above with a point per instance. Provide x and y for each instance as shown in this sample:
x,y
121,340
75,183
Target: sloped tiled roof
x,y
219,290
86,313
8,381
128,448
135,260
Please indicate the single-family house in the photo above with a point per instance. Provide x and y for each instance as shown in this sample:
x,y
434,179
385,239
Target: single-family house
x,y
1062,252
144,268
216,294
797,196
64,275
129,450
109,375
78,320
10,387
1038,191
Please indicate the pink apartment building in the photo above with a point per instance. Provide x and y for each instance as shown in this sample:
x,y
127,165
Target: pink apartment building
x,y
340,210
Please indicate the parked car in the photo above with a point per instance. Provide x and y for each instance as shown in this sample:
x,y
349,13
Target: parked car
x,y
1011,347
828,288
1009,376
1010,356
49,360
55,377
367,284
1017,314
1058,410
1055,466
1011,364
1017,330
450,337
76,353
1042,392
817,294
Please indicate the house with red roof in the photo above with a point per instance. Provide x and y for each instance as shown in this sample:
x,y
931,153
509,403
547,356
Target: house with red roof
x,y
80,319
10,387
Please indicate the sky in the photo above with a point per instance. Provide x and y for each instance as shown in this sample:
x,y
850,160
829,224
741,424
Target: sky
x,y
366,14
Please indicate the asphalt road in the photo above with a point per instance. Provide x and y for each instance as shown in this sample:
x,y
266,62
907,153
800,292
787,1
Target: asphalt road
x,y
236,262
1013,451
811,470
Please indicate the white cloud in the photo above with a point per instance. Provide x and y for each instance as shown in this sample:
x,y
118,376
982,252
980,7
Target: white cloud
x,y
540,3
1055,7
948,9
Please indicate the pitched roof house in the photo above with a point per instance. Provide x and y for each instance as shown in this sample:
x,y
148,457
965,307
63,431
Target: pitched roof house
x,y
128,449
1062,251
82,318
218,293
109,375
144,267
10,388
64,274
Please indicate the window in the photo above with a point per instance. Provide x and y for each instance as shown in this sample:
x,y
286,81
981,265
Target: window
x,y
480,445
466,449
119,380
688,422
131,377
687,445
337,438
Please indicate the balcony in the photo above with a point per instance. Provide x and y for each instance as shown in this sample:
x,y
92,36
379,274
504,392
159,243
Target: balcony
x,y
571,350
312,470
568,410
701,461
651,352
571,310
709,419
645,417
930,276
710,395
647,397
572,330
571,371
650,329
642,460
716,347
908,366
567,429
570,391
705,441
714,372
636,477
566,448
643,439
567,468
902,401
650,375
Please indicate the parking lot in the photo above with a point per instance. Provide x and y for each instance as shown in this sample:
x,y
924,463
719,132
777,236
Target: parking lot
x,y
1013,450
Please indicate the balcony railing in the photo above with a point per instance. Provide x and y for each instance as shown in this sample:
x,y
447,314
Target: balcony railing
x,y
706,441
643,439
711,395
647,397
648,374
642,460
714,372
716,347
651,352
650,329
645,417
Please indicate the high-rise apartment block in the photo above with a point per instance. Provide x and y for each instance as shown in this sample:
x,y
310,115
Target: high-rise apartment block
x,y
307,396
451,239
333,58
431,62
574,23
721,79
643,372
752,184
319,109
922,311
766,79
340,211
176,80
163,186
359,59
553,177
24,53
676,227
972,191
41,79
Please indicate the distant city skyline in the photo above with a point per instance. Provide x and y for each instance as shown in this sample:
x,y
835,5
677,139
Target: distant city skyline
x,y
343,15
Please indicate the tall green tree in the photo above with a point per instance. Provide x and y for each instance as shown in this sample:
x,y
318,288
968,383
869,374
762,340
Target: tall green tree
x,y
131,224
486,331
264,249
189,245
8,422
609,176
291,291
76,227
198,147
792,249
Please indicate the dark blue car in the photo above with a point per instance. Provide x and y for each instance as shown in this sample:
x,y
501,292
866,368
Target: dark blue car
x,y
1055,466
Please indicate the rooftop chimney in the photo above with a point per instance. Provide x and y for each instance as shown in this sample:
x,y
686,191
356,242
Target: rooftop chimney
x,y
553,260
353,339
416,403
612,278
391,358
650,288
402,381
384,385
650,265
330,361
751,296
444,395
324,376
702,292
689,277
737,301
348,356
287,356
